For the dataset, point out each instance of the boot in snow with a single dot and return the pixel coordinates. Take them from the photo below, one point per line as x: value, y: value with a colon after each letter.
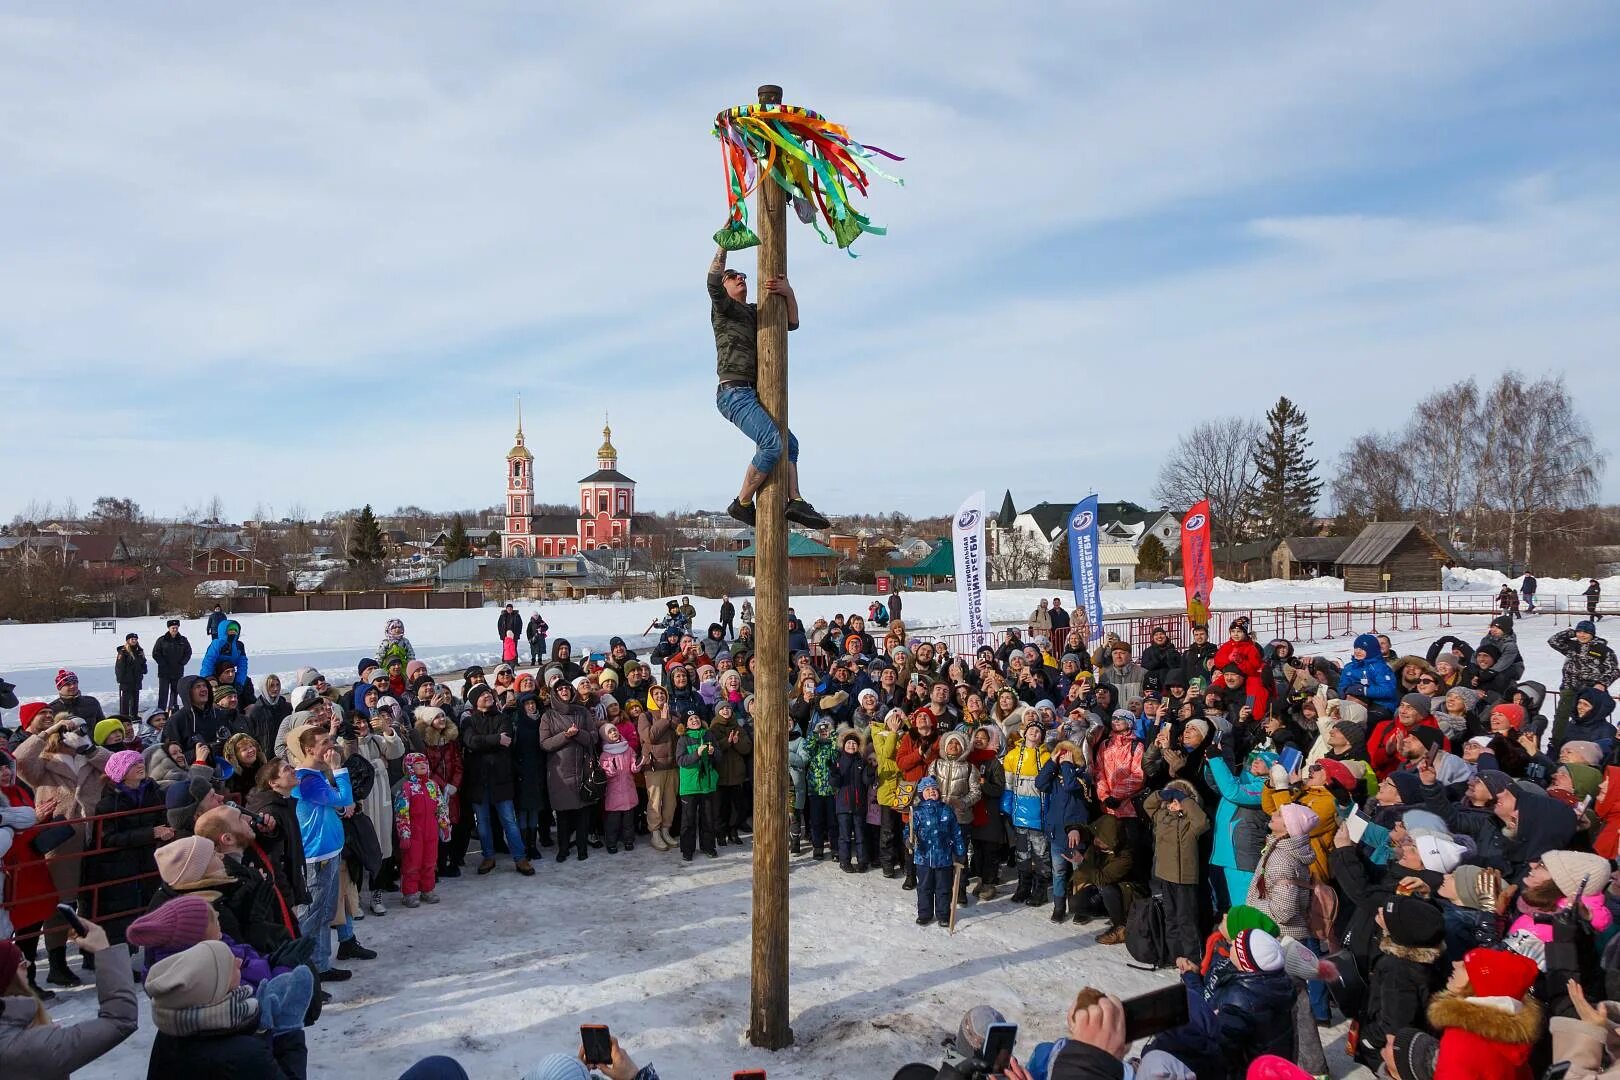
x: 1026, y: 882
x: 1060, y: 909
x: 1037, y: 894
x: 60, y: 974
x: 911, y: 878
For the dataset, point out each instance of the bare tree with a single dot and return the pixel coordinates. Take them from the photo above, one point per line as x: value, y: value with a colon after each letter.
x: 1214, y: 460
x: 1375, y: 481
x: 1019, y: 557
x: 1443, y: 444
x: 1538, y: 456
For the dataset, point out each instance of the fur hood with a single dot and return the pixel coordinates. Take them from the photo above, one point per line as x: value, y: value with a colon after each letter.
x: 427, y: 733
x: 1522, y: 1026
x: 1416, y: 954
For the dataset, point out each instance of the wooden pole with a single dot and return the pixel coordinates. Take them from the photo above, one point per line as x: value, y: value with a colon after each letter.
x: 768, y: 998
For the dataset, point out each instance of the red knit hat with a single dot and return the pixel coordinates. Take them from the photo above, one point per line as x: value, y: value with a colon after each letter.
x: 178, y: 924
x: 28, y: 712
x: 1337, y: 773
x: 1514, y: 714
x: 1500, y: 973
x: 64, y: 676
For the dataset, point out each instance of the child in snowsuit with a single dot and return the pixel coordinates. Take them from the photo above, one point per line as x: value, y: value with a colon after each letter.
x: 694, y: 753
x: 821, y: 784
x: 853, y: 775
x: 619, y: 800
x: 509, y: 648
x: 422, y: 819
x: 937, y: 845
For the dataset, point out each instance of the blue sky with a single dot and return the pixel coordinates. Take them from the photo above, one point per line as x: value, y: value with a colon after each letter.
x: 308, y: 256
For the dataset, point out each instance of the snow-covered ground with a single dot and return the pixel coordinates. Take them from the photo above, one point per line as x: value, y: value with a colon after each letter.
x: 333, y: 641
x: 507, y: 968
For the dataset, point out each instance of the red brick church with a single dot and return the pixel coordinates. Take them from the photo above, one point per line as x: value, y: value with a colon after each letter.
x: 607, y: 508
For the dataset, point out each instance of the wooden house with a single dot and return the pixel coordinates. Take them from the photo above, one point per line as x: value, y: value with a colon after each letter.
x: 1393, y: 556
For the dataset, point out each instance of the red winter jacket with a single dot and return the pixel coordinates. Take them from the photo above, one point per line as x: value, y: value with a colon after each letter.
x: 1383, y: 746
x: 1246, y: 655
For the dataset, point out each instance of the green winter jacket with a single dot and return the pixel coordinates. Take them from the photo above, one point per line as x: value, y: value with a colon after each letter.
x: 698, y: 773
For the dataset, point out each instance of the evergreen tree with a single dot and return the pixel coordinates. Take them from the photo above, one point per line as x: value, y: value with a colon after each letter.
x: 1152, y: 560
x: 457, y: 546
x: 366, y: 542
x: 1286, y: 487
x: 1059, y: 568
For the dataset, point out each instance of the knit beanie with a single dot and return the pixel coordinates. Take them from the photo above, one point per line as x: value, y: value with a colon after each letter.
x: 28, y: 712
x: 1243, y: 917
x: 1499, y: 973
x: 1300, y: 820
x: 1495, y: 780
x: 178, y: 924
x: 200, y: 975
x: 557, y: 1067
x: 1440, y: 854
x: 1589, y: 752
x: 1577, y: 873
x: 118, y: 766
x: 1408, y: 785
x: 1337, y: 773
x: 1256, y: 951
x: 1413, y: 922
x: 1583, y: 779
x: 1476, y: 886
x: 1272, y: 1067
x: 1425, y: 823
x: 183, y: 861
x: 103, y: 729
x: 975, y: 1025
x: 1420, y: 702
x: 1304, y: 965
x: 308, y: 676
x: 302, y: 697
x: 63, y: 677
x: 1514, y: 714
x: 1198, y: 724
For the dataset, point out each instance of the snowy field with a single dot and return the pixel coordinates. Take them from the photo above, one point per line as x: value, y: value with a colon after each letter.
x: 508, y: 968
x: 334, y: 641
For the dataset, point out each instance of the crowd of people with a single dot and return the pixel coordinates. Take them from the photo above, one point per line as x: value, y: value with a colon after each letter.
x: 1386, y: 840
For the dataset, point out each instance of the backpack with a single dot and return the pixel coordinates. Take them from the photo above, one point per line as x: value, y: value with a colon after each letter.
x: 1145, y: 937
x: 592, y: 782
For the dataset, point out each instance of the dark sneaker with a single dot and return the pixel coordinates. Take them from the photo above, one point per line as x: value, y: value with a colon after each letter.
x: 744, y: 514
x: 801, y: 512
x: 336, y: 975
x: 353, y: 950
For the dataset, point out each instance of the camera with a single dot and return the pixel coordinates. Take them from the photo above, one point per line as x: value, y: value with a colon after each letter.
x: 994, y: 1057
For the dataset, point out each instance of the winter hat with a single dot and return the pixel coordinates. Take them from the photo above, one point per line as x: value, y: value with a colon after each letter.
x: 200, y: 975
x: 1583, y: 779
x: 1272, y: 1067
x: 557, y: 1067
x: 308, y: 676
x: 1495, y: 780
x: 866, y: 695
x: 1300, y: 820
x: 1490, y: 649
x: 183, y: 861
x: 1588, y: 751
x: 63, y: 677
x: 473, y: 669
x: 437, y: 1067
x: 1337, y: 773
x: 1125, y: 715
x: 1499, y: 973
x: 1408, y: 785
x: 413, y: 758
x: 28, y: 712
x: 1257, y: 951
x: 103, y: 729
x: 1476, y: 886
x: 1421, y: 702
x: 1440, y: 854
x: 1045, y: 703
x: 1198, y: 724
x: 1525, y: 942
x: 1431, y: 738
x: 925, y: 783
x: 1414, y: 923
x: 302, y: 698
x: 1504, y: 623
x: 1588, y: 626
x: 1243, y: 917
x: 178, y: 924
x: 1425, y: 823
x: 971, y: 1031
x: 365, y: 665
x: 1066, y: 657
x: 118, y: 766
x: 1571, y: 870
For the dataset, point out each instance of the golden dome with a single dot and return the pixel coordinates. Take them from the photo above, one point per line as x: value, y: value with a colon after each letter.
x: 606, y: 449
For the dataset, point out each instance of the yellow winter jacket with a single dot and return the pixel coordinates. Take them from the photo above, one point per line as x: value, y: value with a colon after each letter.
x: 1327, y: 820
x: 884, y: 745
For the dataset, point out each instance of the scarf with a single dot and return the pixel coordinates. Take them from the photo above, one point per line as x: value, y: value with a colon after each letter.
x: 237, y: 1010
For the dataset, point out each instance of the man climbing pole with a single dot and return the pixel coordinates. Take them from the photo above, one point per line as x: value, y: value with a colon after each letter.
x: 735, y: 330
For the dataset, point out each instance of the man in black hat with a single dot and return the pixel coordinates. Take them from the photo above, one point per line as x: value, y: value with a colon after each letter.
x: 509, y: 622
x: 172, y: 652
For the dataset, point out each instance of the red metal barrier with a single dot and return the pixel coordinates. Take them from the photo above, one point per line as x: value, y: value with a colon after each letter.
x: 95, y: 823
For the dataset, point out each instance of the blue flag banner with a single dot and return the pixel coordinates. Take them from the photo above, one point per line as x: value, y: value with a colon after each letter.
x: 1083, y: 565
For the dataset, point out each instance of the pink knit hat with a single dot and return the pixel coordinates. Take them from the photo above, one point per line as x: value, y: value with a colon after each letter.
x: 118, y: 766
x: 1300, y: 820
x: 64, y: 676
x: 178, y: 924
x: 183, y: 861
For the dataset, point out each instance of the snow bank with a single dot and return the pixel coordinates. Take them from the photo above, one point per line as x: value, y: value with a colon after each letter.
x: 1465, y: 580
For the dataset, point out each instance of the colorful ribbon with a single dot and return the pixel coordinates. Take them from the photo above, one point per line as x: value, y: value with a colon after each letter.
x: 812, y: 160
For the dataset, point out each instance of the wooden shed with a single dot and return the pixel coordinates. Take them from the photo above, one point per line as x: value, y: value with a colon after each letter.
x: 809, y: 562
x: 1307, y: 556
x: 1402, y: 550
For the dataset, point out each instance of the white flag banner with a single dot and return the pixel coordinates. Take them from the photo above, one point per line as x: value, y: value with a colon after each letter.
x: 967, y: 538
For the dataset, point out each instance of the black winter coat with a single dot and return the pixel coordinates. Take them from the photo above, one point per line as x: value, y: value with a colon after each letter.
x: 1398, y: 992
x: 129, y: 667
x: 284, y: 845
x: 84, y: 706
x: 189, y: 725
x: 131, y: 839
x: 263, y: 719
x: 489, y: 772
x: 241, y: 1055
x: 528, y: 759
x: 1195, y: 661
x: 509, y: 621
x: 1160, y: 662
x: 171, y: 654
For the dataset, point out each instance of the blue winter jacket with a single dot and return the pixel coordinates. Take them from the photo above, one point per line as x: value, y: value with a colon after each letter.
x: 226, y: 647
x: 1064, y: 803
x: 1372, y: 675
x: 318, y: 803
x: 936, y: 837
x: 1235, y: 791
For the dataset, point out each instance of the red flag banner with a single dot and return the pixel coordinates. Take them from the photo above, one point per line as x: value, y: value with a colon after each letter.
x: 1197, y: 562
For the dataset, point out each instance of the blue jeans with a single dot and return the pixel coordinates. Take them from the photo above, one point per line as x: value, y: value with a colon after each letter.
x: 486, y: 833
x: 1060, y: 871
x: 740, y: 405
x: 323, y: 879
